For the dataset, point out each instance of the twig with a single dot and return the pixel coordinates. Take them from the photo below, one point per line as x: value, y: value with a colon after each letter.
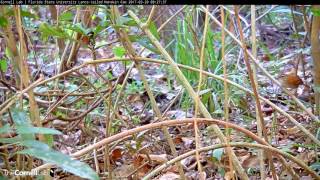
x: 190, y: 90
x: 278, y: 152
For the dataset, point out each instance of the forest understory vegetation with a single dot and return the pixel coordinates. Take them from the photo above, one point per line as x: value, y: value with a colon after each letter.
x: 160, y: 92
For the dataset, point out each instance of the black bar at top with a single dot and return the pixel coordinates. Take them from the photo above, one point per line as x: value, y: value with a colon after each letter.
x: 151, y: 2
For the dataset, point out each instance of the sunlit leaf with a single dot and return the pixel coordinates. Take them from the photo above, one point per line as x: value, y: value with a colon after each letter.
x: 28, y: 14
x: 66, y: 16
x: 154, y: 30
x: 118, y: 51
x: 3, y: 65
x: 3, y: 21
x: 315, y: 11
x: 49, y: 139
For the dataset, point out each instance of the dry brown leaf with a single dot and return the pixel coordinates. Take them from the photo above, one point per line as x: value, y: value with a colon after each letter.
x: 123, y: 171
x: 252, y: 161
x: 139, y: 161
x: 116, y: 154
x: 177, y: 139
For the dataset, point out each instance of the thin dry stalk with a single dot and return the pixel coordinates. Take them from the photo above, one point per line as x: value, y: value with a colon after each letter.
x: 270, y: 149
x: 311, y: 136
x: 124, y: 38
x: 190, y: 90
x: 226, y: 91
x: 254, y: 53
x: 196, y: 129
x: 260, y: 118
x: 264, y: 71
x: 176, y: 122
x: 315, y: 51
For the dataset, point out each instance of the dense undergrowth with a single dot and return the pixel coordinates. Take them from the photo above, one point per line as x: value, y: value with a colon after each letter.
x: 164, y: 92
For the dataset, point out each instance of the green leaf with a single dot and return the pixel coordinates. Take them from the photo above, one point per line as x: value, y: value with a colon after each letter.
x: 5, y: 129
x: 154, y: 30
x: 10, y: 140
x: 315, y: 11
x: 21, y: 119
x: 78, y: 28
x: 65, y: 162
x: 315, y: 166
x: 7, y: 52
x: 3, y: 65
x: 24, y: 13
x: 48, y: 30
x: 101, y: 26
x: 118, y: 51
x: 3, y: 21
x: 28, y: 14
x: 35, y: 144
x: 36, y: 130
x: 66, y: 16
x: 217, y: 154
x: 49, y: 139
x: 145, y: 42
x: 123, y: 20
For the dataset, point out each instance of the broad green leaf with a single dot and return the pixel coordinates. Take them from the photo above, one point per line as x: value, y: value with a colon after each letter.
x: 65, y: 162
x: 78, y: 28
x: 145, y: 42
x: 10, y: 140
x: 118, y: 51
x: 36, y: 130
x: 48, y: 30
x: 66, y: 16
x: 3, y: 65
x: 24, y: 13
x: 122, y: 20
x: 154, y: 30
x: 7, y: 52
x: 217, y: 154
x: 35, y: 144
x: 3, y: 21
x: 315, y: 166
x: 21, y: 119
x: 315, y: 11
x: 102, y: 25
x: 28, y: 14
x: 5, y: 129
